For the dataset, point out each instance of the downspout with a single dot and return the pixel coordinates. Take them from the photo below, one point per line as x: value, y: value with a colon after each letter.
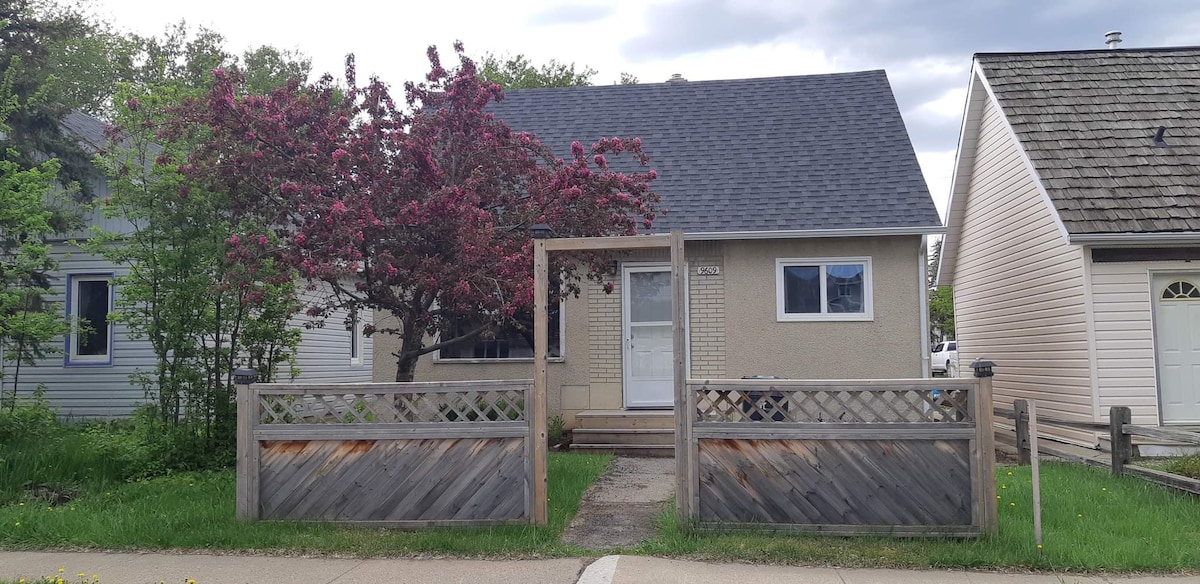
x: 923, y: 284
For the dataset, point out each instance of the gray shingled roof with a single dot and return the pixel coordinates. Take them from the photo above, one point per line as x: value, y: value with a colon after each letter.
x: 1087, y: 120
x: 782, y: 153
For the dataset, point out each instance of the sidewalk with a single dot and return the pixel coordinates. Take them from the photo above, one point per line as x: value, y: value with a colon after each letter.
x: 135, y: 568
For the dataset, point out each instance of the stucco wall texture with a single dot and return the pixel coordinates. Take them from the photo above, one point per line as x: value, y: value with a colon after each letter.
x: 733, y: 326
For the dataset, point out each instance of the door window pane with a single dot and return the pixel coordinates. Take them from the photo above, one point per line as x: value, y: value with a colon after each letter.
x: 650, y: 296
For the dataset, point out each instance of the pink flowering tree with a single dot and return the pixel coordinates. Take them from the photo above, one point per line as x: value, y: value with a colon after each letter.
x: 418, y: 211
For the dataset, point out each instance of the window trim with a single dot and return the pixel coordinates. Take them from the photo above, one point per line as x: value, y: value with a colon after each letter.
x: 868, y: 313
x: 562, y: 346
x: 70, y: 358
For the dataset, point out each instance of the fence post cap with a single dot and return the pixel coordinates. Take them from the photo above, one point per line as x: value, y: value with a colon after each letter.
x: 244, y: 376
x: 983, y: 368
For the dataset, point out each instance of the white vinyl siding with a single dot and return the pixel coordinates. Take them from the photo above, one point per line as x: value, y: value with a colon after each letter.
x: 101, y: 392
x: 1124, y: 319
x: 1019, y: 286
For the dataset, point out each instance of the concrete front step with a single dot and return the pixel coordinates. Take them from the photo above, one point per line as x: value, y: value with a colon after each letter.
x: 626, y: 419
x: 627, y: 449
x: 662, y: 436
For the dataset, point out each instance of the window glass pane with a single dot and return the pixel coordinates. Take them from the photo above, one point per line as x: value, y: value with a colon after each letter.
x: 650, y: 296
x: 354, y: 354
x: 938, y: 347
x: 844, y: 288
x: 92, y: 312
x: 510, y: 342
x: 802, y: 289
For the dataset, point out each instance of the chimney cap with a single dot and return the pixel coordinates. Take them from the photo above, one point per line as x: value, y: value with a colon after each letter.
x: 676, y: 78
x: 1112, y: 38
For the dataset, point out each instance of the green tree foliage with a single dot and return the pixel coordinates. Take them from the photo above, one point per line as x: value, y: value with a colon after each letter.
x: 518, y: 72
x: 206, y: 310
x: 206, y: 307
x: 941, y: 311
x: 57, y: 58
x: 941, y: 299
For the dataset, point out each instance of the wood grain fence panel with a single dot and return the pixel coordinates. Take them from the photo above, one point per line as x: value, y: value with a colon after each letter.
x: 406, y: 455
x: 835, y: 482
x: 394, y: 480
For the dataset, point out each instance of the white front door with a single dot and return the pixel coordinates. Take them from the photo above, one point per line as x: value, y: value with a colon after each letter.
x: 1177, y: 312
x: 647, y: 354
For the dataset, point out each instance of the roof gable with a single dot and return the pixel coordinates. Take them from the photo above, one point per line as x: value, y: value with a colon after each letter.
x: 815, y: 152
x: 1087, y: 121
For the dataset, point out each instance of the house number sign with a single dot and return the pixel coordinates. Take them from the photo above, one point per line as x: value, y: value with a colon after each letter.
x: 708, y: 270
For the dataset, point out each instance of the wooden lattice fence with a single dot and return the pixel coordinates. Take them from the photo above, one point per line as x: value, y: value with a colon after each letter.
x: 906, y: 457
x: 397, y: 454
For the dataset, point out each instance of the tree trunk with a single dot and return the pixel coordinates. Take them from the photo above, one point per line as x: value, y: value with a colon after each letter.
x: 406, y: 367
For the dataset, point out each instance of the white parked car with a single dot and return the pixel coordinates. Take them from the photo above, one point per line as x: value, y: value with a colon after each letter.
x: 944, y: 359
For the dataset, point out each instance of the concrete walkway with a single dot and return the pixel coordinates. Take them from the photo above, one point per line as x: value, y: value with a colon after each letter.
x: 622, y: 507
x: 212, y: 569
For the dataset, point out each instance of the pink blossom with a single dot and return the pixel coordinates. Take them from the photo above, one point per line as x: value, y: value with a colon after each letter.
x: 339, y: 154
x: 132, y: 104
x: 338, y: 208
x: 262, y: 240
x: 577, y: 149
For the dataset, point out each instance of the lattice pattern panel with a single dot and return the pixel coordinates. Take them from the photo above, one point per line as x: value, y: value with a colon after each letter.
x: 767, y: 404
x: 458, y: 406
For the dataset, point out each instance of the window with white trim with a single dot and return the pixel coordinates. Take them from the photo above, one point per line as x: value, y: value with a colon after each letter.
x: 89, y: 300
x: 815, y: 289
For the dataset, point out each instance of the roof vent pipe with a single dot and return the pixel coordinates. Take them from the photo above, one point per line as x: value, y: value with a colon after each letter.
x: 1112, y: 38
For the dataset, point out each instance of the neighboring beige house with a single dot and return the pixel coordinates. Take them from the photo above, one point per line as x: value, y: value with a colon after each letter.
x: 805, y: 215
x: 1073, y: 228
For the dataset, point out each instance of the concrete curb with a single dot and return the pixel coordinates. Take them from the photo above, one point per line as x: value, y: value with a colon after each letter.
x: 600, y: 571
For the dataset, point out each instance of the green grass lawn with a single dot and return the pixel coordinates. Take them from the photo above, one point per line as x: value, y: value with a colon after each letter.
x: 1091, y: 522
x: 196, y: 511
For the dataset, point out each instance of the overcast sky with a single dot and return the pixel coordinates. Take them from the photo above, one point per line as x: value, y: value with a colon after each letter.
x: 925, y: 45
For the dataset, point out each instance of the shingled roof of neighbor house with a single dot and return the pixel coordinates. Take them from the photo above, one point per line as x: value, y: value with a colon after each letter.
x: 1088, y: 121
x: 812, y: 152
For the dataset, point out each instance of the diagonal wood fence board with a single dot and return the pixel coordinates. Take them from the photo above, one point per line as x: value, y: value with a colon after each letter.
x: 835, y: 482
x: 405, y: 455
x: 847, y: 457
x: 393, y: 480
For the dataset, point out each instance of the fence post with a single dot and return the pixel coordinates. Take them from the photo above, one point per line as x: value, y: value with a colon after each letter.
x: 985, y: 434
x: 1021, y: 414
x: 1122, y: 443
x: 247, y: 447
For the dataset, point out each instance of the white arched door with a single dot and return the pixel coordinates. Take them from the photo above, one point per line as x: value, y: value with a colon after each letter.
x: 1177, y: 324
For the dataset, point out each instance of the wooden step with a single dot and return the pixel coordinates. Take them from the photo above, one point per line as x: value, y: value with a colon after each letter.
x: 659, y: 436
x: 626, y: 419
x: 627, y: 449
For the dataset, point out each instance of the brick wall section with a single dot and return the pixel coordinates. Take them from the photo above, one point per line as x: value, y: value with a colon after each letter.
x: 707, y: 310
x: 604, y: 332
x: 707, y: 304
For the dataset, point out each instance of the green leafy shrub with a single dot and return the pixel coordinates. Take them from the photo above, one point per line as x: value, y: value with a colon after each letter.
x: 27, y: 419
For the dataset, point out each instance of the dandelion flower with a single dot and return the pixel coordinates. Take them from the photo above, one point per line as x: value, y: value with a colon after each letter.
x: 61, y: 570
x: 1003, y: 486
x: 1012, y: 504
x: 20, y: 504
x: 81, y: 574
x: 21, y: 581
x: 1010, y: 473
x: 997, y: 497
x: 17, y: 524
x: 1039, y: 546
x: 1103, y: 488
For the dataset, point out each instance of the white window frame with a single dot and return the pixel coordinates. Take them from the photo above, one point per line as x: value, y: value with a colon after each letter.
x: 868, y: 313
x: 72, y: 357
x: 562, y: 346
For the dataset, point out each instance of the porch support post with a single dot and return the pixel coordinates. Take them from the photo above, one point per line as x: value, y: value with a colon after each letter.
x: 538, y: 406
x: 683, y: 458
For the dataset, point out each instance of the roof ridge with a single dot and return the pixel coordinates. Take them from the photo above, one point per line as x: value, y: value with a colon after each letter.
x: 1179, y: 49
x: 693, y: 83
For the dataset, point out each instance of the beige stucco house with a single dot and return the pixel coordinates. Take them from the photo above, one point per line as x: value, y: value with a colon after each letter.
x: 1073, y: 231
x: 804, y: 214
